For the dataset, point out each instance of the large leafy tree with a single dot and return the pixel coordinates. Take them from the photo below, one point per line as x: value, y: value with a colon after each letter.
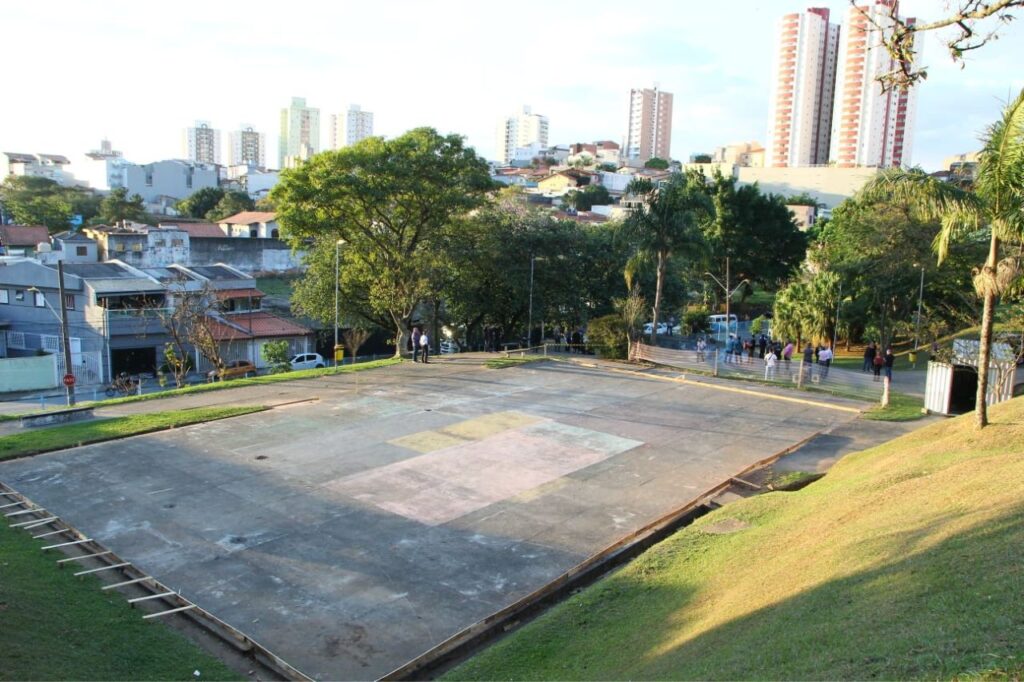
x: 118, y: 206
x: 392, y: 202
x: 231, y: 203
x: 996, y: 205
x: 200, y: 202
x: 667, y: 225
x: 40, y: 201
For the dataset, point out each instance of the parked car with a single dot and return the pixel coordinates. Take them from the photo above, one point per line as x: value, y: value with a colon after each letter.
x: 307, y: 361
x: 233, y: 370
x: 449, y: 346
x: 662, y: 328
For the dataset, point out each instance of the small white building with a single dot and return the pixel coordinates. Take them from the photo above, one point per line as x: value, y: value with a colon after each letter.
x: 252, y: 225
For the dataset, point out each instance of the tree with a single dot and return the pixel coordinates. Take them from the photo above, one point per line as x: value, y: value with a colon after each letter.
x: 976, y: 22
x: 41, y: 201
x: 996, y: 204
x: 118, y: 206
x: 188, y: 323
x: 702, y: 158
x: 607, y: 167
x: 667, y: 224
x: 802, y: 199
x: 656, y: 163
x: 200, y: 202
x: 354, y: 338
x: 392, y: 202
x: 278, y: 355
x: 585, y: 199
x: 231, y: 203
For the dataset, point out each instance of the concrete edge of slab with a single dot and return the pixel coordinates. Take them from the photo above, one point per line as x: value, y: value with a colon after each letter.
x: 158, y: 593
x: 463, y: 644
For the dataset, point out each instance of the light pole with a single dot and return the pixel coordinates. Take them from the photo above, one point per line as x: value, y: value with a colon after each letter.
x: 63, y: 319
x: 728, y: 292
x: 529, y: 318
x: 917, y: 325
x: 835, y: 332
x: 337, y: 277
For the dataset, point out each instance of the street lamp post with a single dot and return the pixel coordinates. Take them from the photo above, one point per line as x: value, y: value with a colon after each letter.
x: 728, y: 292
x: 917, y: 324
x: 529, y: 323
x: 63, y: 319
x: 337, y: 277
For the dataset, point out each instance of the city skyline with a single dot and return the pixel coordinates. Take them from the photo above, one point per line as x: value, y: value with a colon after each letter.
x: 459, y: 80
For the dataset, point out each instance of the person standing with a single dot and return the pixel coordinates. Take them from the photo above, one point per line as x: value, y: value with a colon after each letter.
x: 869, y: 357
x: 825, y: 360
x: 889, y: 360
x: 876, y: 365
x: 787, y: 353
x: 762, y: 344
x: 770, y: 360
x: 425, y: 346
x: 415, y: 344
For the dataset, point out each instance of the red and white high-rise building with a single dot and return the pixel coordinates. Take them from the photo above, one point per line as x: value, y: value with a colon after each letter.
x: 804, y: 75
x: 870, y: 127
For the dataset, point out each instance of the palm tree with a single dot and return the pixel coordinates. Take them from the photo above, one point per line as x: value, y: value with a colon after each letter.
x: 996, y: 204
x: 666, y: 224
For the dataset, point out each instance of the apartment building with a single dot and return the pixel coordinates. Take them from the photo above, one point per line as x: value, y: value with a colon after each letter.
x: 247, y: 147
x: 803, y: 86
x: 522, y: 130
x: 650, y: 124
x: 351, y: 127
x: 300, y: 133
x: 870, y: 127
x: 201, y: 143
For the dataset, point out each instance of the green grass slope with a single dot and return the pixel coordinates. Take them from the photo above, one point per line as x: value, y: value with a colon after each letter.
x: 905, y: 561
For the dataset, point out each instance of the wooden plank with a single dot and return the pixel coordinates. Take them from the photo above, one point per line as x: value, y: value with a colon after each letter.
x: 26, y: 511
x: 84, y: 556
x: 152, y: 596
x: 34, y: 522
x: 66, y: 544
x: 12, y: 504
x: 165, y: 613
x: 10, y: 494
x: 103, y: 568
x: 52, y: 532
x: 126, y: 582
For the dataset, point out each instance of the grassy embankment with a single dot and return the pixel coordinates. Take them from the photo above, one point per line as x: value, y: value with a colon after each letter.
x: 903, y: 562
x: 83, y: 433
x: 502, y: 363
x: 56, y: 627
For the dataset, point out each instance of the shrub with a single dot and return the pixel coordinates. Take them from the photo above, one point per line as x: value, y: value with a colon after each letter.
x: 696, y: 321
x: 608, y: 336
x: 277, y: 354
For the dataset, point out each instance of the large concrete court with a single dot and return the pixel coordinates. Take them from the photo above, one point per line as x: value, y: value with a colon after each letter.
x: 351, y: 534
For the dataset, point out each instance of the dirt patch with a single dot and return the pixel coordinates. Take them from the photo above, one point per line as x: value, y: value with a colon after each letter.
x: 725, y: 526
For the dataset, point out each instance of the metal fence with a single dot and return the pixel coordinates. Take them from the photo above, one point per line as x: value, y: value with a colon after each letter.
x: 796, y: 373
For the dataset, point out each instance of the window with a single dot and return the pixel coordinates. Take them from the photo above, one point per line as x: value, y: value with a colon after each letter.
x: 160, y: 243
x: 177, y: 242
x: 4, y: 296
x: 137, y: 247
x: 119, y: 246
x: 19, y: 294
x: 40, y: 300
x: 69, y: 301
x: 81, y: 251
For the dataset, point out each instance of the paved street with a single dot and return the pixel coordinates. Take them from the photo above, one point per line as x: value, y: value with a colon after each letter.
x: 351, y: 534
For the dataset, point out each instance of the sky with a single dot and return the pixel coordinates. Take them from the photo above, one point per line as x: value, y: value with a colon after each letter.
x: 138, y: 73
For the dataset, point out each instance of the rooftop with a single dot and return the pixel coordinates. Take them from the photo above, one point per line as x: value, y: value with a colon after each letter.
x: 249, y: 217
x: 255, y: 325
x: 23, y: 235
x: 198, y: 230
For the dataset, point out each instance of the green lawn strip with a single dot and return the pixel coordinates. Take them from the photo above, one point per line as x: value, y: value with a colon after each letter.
x: 789, y: 480
x: 9, y: 417
x: 59, y: 437
x: 56, y: 627
x: 502, y: 363
x: 239, y: 383
x: 902, y: 563
x: 276, y: 286
x: 901, y: 408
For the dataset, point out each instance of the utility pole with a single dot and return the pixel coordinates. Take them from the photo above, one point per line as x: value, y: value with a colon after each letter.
x: 835, y: 332
x: 728, y: 301
x: 917, y: 327
x: 68, y: 367
x: 529, y: 323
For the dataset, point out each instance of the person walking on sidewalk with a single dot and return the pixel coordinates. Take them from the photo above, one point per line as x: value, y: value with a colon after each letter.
x: 770, y: 360
x: 415, y: 344
x: 889, y: 360
x: 869, y: 357
x: 425, y: 347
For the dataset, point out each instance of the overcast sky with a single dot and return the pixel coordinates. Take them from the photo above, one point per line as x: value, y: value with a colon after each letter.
x: 139, y: 72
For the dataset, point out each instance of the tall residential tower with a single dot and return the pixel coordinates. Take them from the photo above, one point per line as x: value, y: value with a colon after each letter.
x: 650, y: 124
x: 803, y: 87
x: 870, y: 127
x: 247, y: 147
x: 201, y: 143
x: 300, y: 133
x: 521, y: 130
x: 350, y: 127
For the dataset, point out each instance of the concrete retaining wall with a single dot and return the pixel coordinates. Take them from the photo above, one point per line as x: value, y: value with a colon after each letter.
x: 28, y: 374
x: 248, y: 255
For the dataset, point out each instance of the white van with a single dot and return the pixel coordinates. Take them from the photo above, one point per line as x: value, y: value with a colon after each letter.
x: 717, y: 323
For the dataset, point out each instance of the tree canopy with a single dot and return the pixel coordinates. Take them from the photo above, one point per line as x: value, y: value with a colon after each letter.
x: 118, y: 206
x: 656, y: 163
x: 41, y: 201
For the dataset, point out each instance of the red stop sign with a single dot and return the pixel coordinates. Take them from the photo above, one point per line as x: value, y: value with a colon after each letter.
x: 69, y: 380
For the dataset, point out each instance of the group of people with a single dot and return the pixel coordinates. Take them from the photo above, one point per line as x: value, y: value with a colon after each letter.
x: 420, y: 345
x: 875, y: 361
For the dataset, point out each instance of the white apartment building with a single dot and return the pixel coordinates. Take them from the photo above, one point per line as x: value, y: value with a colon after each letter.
x: 201, y: 143
x: 300, y: 133
x: 650, y: 124
x: 351, y: 127
x: 803, y: 87
x: 49, y: 166
x: 870, y: 127
x: 522, y: 130
x: 247, y: 147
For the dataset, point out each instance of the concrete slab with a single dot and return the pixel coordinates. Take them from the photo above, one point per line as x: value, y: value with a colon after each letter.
x: 351, y: 534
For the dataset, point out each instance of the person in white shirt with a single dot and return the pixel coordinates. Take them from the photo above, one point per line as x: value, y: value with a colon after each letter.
x: 425, y: 346
x: 825, y: 360
x: 770, y: 361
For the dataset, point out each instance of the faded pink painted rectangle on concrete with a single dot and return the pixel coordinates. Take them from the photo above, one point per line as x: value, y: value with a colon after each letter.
x: 441, y: 486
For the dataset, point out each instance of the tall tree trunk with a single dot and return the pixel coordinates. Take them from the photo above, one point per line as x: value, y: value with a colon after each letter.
x: 657, y: 297
x: 985, y: 342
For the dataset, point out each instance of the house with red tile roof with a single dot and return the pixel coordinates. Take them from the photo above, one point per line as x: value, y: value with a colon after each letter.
x: 22, y: 240
x: 252, y: 224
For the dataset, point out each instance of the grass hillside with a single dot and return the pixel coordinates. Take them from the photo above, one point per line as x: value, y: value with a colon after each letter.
x: 905, y: 561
